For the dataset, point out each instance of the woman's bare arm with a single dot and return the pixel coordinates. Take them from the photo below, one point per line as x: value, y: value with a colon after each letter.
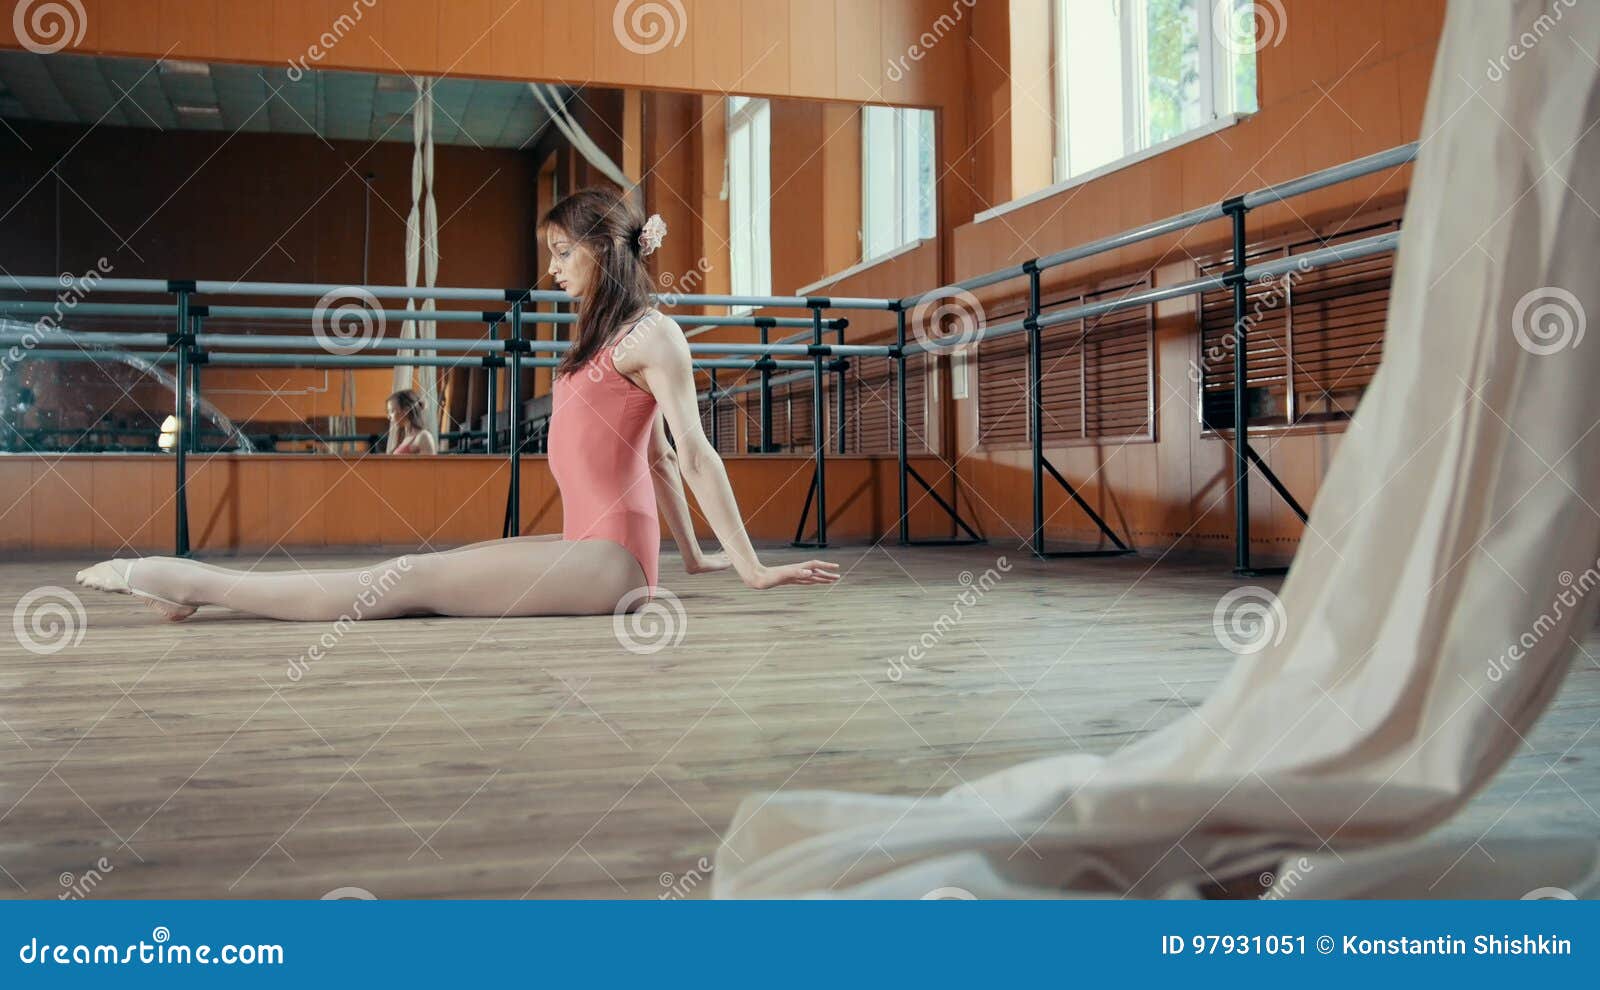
x: 672, y: 505
x: 660, y: 356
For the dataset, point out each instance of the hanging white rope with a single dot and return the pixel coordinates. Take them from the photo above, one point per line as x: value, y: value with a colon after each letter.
x: 422, y: 233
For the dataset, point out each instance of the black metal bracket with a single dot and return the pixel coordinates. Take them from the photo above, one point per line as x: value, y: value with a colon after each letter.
x: 819, y: 472
x: 897, y: 353
x: 1243, y: 454
x: 1041, y: 464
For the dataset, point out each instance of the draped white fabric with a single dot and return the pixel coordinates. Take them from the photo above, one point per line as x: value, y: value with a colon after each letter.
x: 422, y: 245
x: 550, y: 99
x: 1448, y: 570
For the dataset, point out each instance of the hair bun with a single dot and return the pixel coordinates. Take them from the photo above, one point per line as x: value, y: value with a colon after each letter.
x: 651, y: 233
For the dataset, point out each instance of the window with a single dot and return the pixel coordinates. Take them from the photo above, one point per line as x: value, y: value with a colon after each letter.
x: 1133, y: 74
x: 750, y: 195
x: 1097, y: 381
x: 1314, y: 339
x: 897, y: 178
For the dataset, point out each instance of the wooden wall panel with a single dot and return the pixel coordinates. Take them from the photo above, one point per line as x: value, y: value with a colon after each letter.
x: 813, y: 64
x: 1335, y: 87
x: 860, y: 69
x: 122, y: 505
x: 719, y: 65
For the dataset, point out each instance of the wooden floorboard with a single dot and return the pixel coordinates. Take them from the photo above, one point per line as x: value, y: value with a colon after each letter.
x: 537, y: 757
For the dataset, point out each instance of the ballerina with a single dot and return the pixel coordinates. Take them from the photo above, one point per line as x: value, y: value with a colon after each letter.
x: 627, y: 378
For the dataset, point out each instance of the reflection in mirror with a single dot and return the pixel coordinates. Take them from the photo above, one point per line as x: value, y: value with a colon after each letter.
x: 338, y: 181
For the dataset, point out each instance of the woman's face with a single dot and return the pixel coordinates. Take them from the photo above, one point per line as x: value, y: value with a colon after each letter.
x: 571, y: 264
x: 394, y: 414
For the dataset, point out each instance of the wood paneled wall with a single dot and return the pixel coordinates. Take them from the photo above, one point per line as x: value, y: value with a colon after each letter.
x: 1344, y: 80
x: 821, y: 49
x: 124, y: 504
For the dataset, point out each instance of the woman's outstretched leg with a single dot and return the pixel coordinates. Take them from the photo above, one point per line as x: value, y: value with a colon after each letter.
x: 500, y: 578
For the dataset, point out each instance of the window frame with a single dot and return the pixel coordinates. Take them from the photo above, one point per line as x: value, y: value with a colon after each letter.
x: 749, y: 122
x: 905, y: 212
x: 1217, y: 92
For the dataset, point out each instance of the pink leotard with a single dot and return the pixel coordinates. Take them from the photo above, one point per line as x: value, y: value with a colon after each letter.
x: 599, y: 449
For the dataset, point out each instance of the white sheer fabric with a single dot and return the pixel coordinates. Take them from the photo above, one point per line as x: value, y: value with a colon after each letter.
x: 1447, y: 573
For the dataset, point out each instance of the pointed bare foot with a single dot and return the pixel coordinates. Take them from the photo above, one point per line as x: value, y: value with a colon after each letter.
x: 112, y: 576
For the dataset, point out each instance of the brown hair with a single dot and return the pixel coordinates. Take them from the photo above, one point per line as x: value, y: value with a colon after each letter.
x: 410, y: 405
x: 608, y: 225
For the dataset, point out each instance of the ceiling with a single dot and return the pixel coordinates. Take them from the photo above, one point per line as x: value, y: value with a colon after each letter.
x: 177, y: 95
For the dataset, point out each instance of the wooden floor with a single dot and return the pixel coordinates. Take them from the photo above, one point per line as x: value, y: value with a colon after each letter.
x: 537, y: 757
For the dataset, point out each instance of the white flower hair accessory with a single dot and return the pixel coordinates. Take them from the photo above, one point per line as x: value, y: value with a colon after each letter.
x: 651, y: 234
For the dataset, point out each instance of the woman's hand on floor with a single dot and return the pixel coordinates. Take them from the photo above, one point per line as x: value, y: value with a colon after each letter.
x: 707, y: 563
x: 806, y: 572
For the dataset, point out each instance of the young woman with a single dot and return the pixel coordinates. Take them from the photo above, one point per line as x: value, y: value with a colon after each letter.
x: 627, y: 377
x: 405, y: 424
